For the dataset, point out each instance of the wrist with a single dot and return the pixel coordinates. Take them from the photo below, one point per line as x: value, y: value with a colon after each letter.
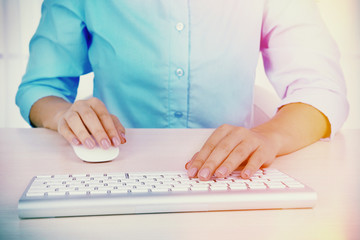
x: 274, y: 136
x: 295, y: 126
x: 53, y: 121
x: 47, y: 111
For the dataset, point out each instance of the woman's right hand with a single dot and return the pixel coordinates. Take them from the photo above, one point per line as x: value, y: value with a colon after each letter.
x: 83, y: 122
x: 87, y: 121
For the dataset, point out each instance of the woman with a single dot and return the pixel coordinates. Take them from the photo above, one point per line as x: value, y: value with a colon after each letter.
x: 186, y: 64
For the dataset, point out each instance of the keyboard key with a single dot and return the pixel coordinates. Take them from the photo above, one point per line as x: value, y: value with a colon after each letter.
x: 199, y: 188
x: 78, y: 193
x: 160, y: 190
x: 99, y: 192
x: 56, y: 193
x: 35, y: 194
x: 139, y: 190
x: 238, y: 187
x: 180, y: 189
x: 219, y: 187
x: 257, y: 186
x: 275, y: 185
x: 119, y: 191
x: 294, y: 185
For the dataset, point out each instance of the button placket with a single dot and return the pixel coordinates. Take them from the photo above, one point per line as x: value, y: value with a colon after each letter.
x: 179, y: 60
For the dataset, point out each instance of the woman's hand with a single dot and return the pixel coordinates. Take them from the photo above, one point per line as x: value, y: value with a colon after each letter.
x: 89, y: 118
x: 84, y: 121
x: 294, y: 126
x: 230, y: 146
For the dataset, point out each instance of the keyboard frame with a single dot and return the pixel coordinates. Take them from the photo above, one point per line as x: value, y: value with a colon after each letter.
x: 168, y: 202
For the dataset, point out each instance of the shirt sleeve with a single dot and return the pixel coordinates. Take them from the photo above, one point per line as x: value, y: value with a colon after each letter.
x: 301, y: 59
x: 58, y: 56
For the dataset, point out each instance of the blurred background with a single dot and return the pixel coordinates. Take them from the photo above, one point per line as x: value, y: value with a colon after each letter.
x: 19, y: 19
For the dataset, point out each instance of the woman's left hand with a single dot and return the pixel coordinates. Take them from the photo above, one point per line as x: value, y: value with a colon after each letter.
x: 293, y: 127
x: 230, y: 146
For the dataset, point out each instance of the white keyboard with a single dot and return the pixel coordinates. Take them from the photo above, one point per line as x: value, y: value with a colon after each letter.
x: 152, y: 192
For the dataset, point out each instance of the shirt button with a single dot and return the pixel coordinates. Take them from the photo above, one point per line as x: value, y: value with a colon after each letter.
x: 179, y: 26
x: 178, y: 114
x: 179, y: 72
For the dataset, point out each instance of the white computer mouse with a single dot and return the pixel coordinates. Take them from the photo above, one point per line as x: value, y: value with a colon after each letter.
x: 97, y: 154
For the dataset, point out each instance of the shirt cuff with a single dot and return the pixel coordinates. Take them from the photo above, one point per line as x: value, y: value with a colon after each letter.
x: 27, y: 98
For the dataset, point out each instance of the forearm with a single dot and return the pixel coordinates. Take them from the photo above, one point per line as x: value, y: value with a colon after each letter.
x: 45, y: 112
x: 295, y: 126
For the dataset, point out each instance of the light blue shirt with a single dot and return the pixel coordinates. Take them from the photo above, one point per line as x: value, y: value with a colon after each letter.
x: 180, y: 64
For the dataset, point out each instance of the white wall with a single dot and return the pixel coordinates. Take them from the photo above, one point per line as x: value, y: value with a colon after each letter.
x: 19, y: 18
x: 18, y: 21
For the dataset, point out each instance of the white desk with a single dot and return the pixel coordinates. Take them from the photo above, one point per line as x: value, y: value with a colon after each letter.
x: 331, y: 168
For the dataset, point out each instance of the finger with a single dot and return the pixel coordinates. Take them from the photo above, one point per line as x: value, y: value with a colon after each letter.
x: 119, y: 128
x: 221, y: 152
x: 239, y: 154
x: 92, y: 122
x: 76, y: 125
x: 207, y: 149
x: 66, y: 132
x: 192, y: 159
x: 106, y: 121
x: 256, y: 160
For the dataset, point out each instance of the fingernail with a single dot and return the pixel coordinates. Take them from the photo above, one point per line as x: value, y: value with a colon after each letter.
x: 75, y: 141
x: 123, y: 138
x: 247, y: 173
x: 221, y: 171
x: 89, y: 144
x: 192, y: 172
x: 116, y: 141
x: 105, y: 143
x: 192, y: 159
x: 204, y: 173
